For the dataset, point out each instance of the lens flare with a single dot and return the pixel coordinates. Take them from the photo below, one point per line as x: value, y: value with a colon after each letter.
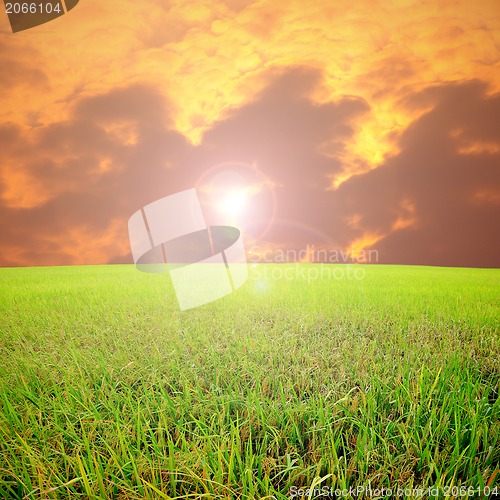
x: 238, y: 194
x: 233, y: 203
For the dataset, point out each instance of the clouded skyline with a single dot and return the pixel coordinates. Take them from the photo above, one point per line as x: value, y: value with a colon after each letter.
x: 366, y: 125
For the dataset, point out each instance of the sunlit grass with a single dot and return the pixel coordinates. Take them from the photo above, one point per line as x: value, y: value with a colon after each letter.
x: 300, y: 378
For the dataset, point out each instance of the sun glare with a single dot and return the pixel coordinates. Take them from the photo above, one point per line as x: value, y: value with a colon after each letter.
x: 233, y: 203
x: 240, y: 195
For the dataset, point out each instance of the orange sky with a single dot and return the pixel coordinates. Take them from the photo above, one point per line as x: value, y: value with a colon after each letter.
x: 379, y: 119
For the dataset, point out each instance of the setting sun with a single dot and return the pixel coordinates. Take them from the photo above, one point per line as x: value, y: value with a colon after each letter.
x: 234, y: 203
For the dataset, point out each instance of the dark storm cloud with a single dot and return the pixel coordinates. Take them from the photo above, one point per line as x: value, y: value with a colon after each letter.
x: 66, y: 162
x: 283, y: 131
x: 456, y: 215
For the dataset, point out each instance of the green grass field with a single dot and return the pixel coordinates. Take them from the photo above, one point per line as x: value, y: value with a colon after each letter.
x: 109, y: 391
